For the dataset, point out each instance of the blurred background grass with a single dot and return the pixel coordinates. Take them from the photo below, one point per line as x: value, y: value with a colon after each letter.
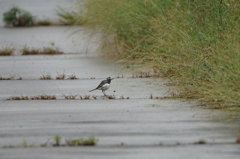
x: 194, y: 43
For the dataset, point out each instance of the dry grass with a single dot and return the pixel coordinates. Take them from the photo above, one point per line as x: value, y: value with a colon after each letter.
x: 122, y: 97
x: 43, y: 97
x: 200, y: 142
x: 51, y: 50
x: 61, y: 76
x: 85, y: 97
x: 46, y: 77
x: 111, y: 96
x: 39, y: 97
x: 6, y: 51
x: 72, y: 77
x: 11, y: 78
x: 94, y: 97
x: 18, y: 98
x: 70, y: 97
x: 82, y: 142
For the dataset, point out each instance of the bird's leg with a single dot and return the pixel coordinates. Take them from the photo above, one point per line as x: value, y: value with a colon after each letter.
x: 104, y: 93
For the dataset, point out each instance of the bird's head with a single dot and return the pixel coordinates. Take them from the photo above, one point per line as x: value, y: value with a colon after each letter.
x: 109, y: 79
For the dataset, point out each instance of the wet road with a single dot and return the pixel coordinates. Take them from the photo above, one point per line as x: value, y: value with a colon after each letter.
x: 137, y: 127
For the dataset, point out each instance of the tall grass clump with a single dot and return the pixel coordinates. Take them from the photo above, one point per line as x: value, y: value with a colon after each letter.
x: 18, y: 17
x: 194, y: 43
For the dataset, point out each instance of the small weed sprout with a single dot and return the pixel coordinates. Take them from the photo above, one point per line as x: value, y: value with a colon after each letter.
x: 151, y: 96
x: 238, y: 139
x: 72, y: 77
x: 201, y: 141
x: 122, y: 97
x: 111, y: 96
x: 24, y: 143
x: 46, y: 77
x: 43, y: 97
x: 82, y: 142
x: 94, y: 97
x: 10, y: 78
x: 86, y: 97
x: 61, y: 76
x: 18, y: 98
x: 57, y: 140
x: 69, y: 97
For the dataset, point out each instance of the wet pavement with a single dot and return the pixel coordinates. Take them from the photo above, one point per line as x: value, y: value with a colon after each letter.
x: 138, y: 127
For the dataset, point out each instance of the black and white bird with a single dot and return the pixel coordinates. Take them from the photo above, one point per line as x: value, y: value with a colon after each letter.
x: 104, y: 85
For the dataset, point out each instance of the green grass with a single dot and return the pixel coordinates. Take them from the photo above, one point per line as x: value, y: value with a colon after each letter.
x: 17, y: 17
x: 67, y: 17
x: 196, y: 44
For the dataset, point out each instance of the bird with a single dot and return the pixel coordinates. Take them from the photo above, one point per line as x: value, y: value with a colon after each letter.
x: 104, y: 85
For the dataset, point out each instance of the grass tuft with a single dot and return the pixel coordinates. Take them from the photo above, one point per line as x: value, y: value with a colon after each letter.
x: 238, y: 139
x: 72, y: 77
x: 43, y: 97
x: 151, y: 96
x: 6, y: 51
x: 82, y: 142
x: 18, y: 98
x: 71, y: 97
x: 196, y: 44
x: 94, y: 97
x: 10, y: 78
x: 111, y: 96
x: 46, y: 77
x: 61, y: 76
x: 57, y: 140
x: 201, y: 141
x: 47, y: 50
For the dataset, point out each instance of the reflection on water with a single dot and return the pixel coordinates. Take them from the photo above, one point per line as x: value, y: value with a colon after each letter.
x: 38, y: 37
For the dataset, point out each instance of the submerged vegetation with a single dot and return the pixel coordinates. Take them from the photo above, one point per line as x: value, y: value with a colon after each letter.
x: 194, y: 43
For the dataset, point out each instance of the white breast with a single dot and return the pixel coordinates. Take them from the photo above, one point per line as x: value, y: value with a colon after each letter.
x: 105, y: 87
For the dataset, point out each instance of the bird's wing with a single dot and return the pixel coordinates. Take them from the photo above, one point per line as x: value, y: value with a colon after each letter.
x: 101, y: 84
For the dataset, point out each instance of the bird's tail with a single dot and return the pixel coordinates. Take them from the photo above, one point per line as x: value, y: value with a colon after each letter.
x: 93, y: 90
